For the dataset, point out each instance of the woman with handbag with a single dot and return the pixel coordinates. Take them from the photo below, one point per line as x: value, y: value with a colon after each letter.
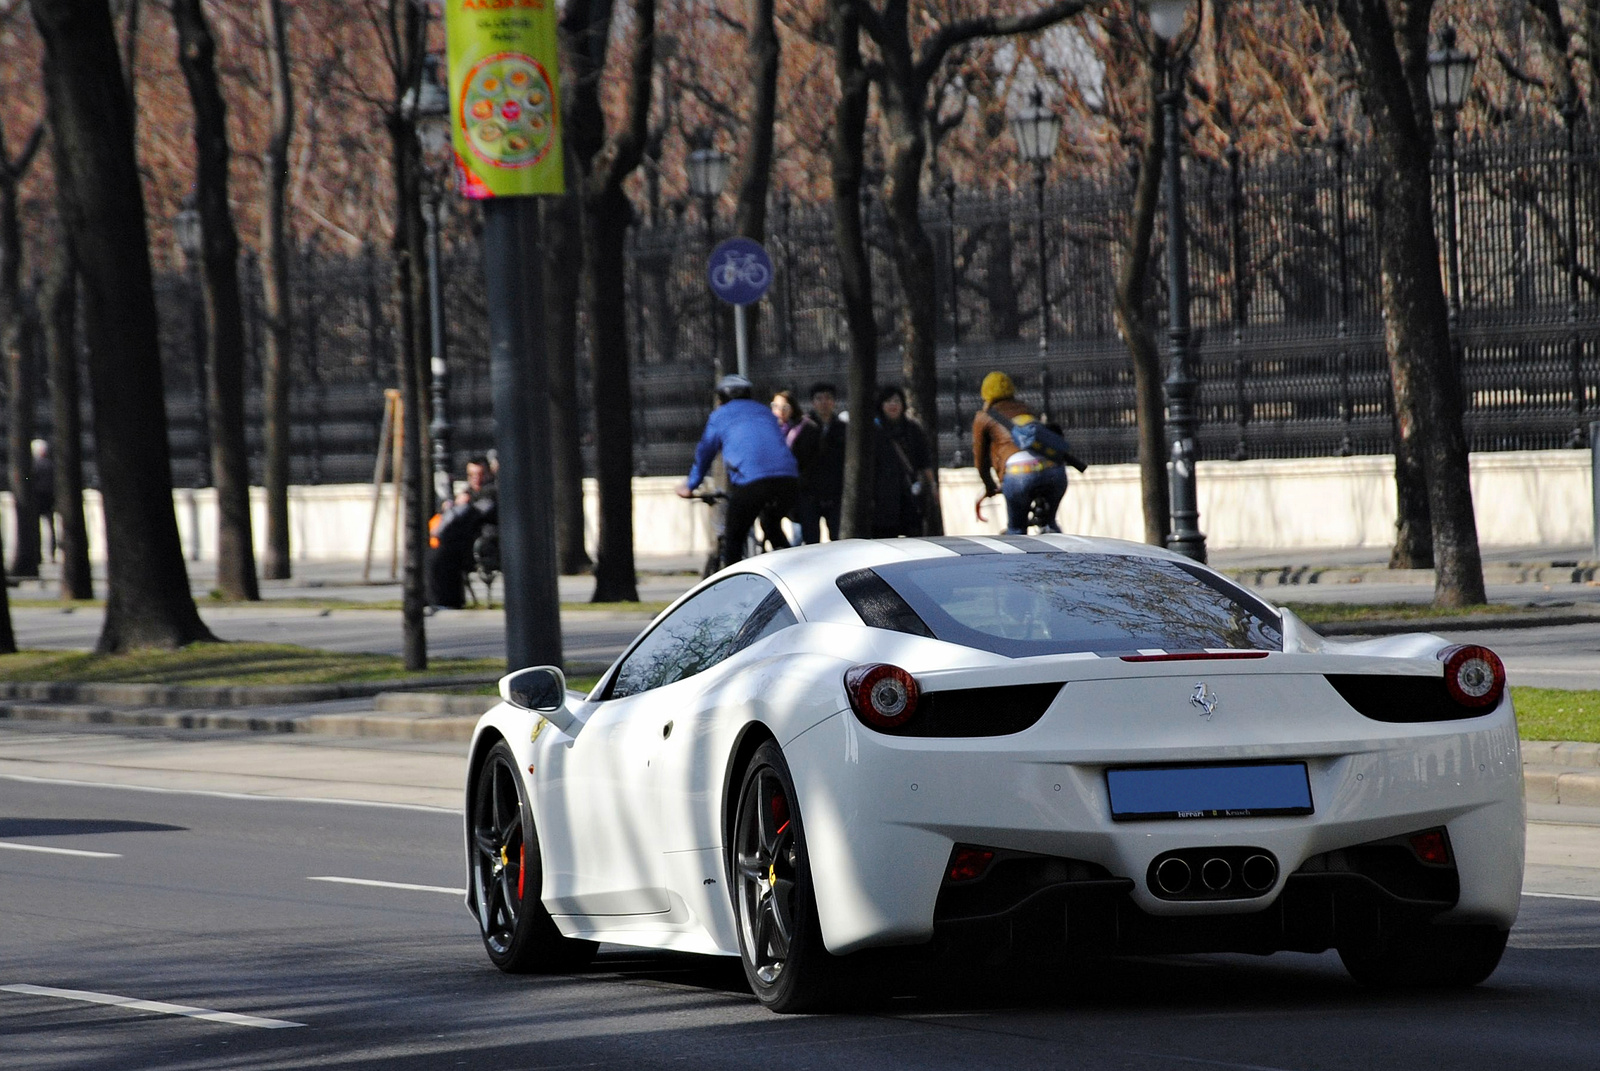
x: 903, y: 478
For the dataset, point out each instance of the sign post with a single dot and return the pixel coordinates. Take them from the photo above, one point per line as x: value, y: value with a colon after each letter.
x: 740, y: 271
x: 505, y: 129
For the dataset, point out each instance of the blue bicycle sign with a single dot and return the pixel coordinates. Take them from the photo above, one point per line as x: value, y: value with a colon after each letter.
x: 739, y: 271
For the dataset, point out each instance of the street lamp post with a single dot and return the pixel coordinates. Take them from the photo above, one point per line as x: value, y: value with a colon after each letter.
x: 1037, y: 129
x: 1167, y: 18
x: 708, y: 169
x: 957, y: 459
x: 429, y: 108
x: 187, y: 228
x: 1449, y: 72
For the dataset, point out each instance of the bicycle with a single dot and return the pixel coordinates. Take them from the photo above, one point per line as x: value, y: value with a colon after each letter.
x: 718, y: 558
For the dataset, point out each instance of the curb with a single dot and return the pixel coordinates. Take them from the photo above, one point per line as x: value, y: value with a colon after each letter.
x: 211, y: 696
x: 1564, y: 572
x: 433, y: 703
x: 1393, y: 626
x: 394, y: 726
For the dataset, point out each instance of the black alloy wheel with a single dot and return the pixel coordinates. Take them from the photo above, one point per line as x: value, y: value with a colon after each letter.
x: 506, y: 875
x: 780, y: 939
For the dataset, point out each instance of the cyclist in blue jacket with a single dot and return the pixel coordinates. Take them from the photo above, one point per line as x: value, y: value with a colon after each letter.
x: 761, y: 470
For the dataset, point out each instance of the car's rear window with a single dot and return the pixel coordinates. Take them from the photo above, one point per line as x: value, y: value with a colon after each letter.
x: 1109, y: 604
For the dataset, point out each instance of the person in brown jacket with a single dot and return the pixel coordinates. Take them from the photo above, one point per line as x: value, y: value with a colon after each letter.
x: 1019, y: 475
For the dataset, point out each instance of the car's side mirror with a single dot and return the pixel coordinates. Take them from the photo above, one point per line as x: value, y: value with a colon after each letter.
x: 541, y: 689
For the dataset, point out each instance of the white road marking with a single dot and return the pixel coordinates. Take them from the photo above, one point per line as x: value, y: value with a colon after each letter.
x: 162, y: 1007
x: 1563, y: 896
x: 58, y: 851
x: 228, y: 795
x: 391, y: 885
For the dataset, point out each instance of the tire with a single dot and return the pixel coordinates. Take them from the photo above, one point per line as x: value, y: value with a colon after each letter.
x: 1427, y: 957
x: 780, y: 939
x: 506, y: 875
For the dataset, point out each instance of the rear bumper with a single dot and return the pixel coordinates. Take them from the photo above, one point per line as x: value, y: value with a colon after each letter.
x: 882, y: 815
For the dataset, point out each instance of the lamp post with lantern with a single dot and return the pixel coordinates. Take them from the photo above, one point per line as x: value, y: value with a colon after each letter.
x: 187, y: 230
x: 1037, y: 130
x: 1449, y: 74
x: 708, y: 169
x: 1167, y: 20
x: 428, y: 106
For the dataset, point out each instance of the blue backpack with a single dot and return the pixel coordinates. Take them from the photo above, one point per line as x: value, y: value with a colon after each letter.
x: 1033, y: 435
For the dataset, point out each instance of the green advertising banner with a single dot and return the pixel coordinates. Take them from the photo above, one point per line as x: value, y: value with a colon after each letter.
x: 504, y: 114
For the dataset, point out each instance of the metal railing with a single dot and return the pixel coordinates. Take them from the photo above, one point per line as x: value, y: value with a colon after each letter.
x: 1284, y: 262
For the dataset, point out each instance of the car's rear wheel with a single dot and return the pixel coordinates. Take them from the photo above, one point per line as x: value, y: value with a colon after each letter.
x: 1429, y: 956
x: 780, y: 939
x: 518, y: 932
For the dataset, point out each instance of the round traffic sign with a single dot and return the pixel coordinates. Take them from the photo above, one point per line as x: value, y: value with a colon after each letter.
x: 739, y: 271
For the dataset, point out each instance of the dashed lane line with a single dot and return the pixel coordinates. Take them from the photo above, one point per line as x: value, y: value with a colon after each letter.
x: 390, y: 885
x: 58, y: 851
x: 160, y: 1007
x: 1563, y: 896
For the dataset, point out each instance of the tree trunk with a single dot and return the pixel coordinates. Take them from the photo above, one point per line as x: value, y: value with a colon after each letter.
x: 16, y: 343
x: 21, y: 381
x: 97, y: 182
x: 1390, y: 40
x: 604, y: 230
x: 914, y: 262
x: 855, y: 273
x: 278, y: 351
x: 755, y: 175
x: 604, y: 164
x: 1132, y: 312
x: 416, y: 491
x: 563, y: 247
x: 219, y: 275
x: 60, y: 308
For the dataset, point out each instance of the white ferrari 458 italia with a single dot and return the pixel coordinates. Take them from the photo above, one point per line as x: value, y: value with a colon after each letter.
x: 1064, y: 745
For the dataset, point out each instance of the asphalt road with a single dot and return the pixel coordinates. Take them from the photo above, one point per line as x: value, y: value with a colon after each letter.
x: 207, y: 902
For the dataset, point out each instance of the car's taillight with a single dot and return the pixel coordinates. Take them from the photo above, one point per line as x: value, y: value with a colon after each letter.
x: 883, y: 696
x: 1474, y: 676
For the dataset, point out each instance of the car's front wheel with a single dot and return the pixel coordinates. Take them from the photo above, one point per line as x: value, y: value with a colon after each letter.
x: 518, y: 932
x: 780, y: 939
x: 1428, y: 956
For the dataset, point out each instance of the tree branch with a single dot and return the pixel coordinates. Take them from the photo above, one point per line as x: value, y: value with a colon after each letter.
x: 955, y: 33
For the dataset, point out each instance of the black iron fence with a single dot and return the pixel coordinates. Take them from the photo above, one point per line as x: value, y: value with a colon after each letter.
x: 1284, y: 262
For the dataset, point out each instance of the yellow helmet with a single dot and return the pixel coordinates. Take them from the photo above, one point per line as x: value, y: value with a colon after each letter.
x: 996, y: 386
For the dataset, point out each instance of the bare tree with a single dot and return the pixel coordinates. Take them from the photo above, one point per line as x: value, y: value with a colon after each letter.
x: 16, y: 342
x: 855, y: 273
x: 60, y: 313
x: 224, y: 316
x: 604, y: 164
x: 275, y: 294
x: 1390, y: 40
x: 1134, y: 315
x: 97, y: 181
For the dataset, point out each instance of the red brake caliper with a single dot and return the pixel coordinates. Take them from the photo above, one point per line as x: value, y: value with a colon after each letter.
x: 522, y: 859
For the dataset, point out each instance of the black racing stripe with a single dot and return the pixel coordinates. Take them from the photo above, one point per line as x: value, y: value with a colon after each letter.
x: 1029, y: 544
x: 960, y: 544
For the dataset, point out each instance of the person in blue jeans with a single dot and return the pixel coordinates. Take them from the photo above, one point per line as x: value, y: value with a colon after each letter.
x: 1023, y: 475
x: 762, y: 473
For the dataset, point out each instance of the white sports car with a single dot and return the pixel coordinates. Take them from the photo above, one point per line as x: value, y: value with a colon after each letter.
x: 1043, y: 742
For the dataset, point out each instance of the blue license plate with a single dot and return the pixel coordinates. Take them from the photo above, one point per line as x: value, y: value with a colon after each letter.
x: 1245, y: 791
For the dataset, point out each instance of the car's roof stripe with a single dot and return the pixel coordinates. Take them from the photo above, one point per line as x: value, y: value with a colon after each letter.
x: 959, y: 544
x: 1027, y: 543
x: 1001, y: 545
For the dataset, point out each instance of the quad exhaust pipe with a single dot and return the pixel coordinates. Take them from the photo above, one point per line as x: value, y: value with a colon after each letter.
x: 1173, y: 875
x: 1259, y: 873
x: 1213, y: 874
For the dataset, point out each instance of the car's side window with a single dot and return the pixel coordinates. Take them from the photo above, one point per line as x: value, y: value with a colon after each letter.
x: 698, y: 634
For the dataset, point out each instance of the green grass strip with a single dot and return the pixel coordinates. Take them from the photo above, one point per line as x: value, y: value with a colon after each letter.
x: 232, y: 664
